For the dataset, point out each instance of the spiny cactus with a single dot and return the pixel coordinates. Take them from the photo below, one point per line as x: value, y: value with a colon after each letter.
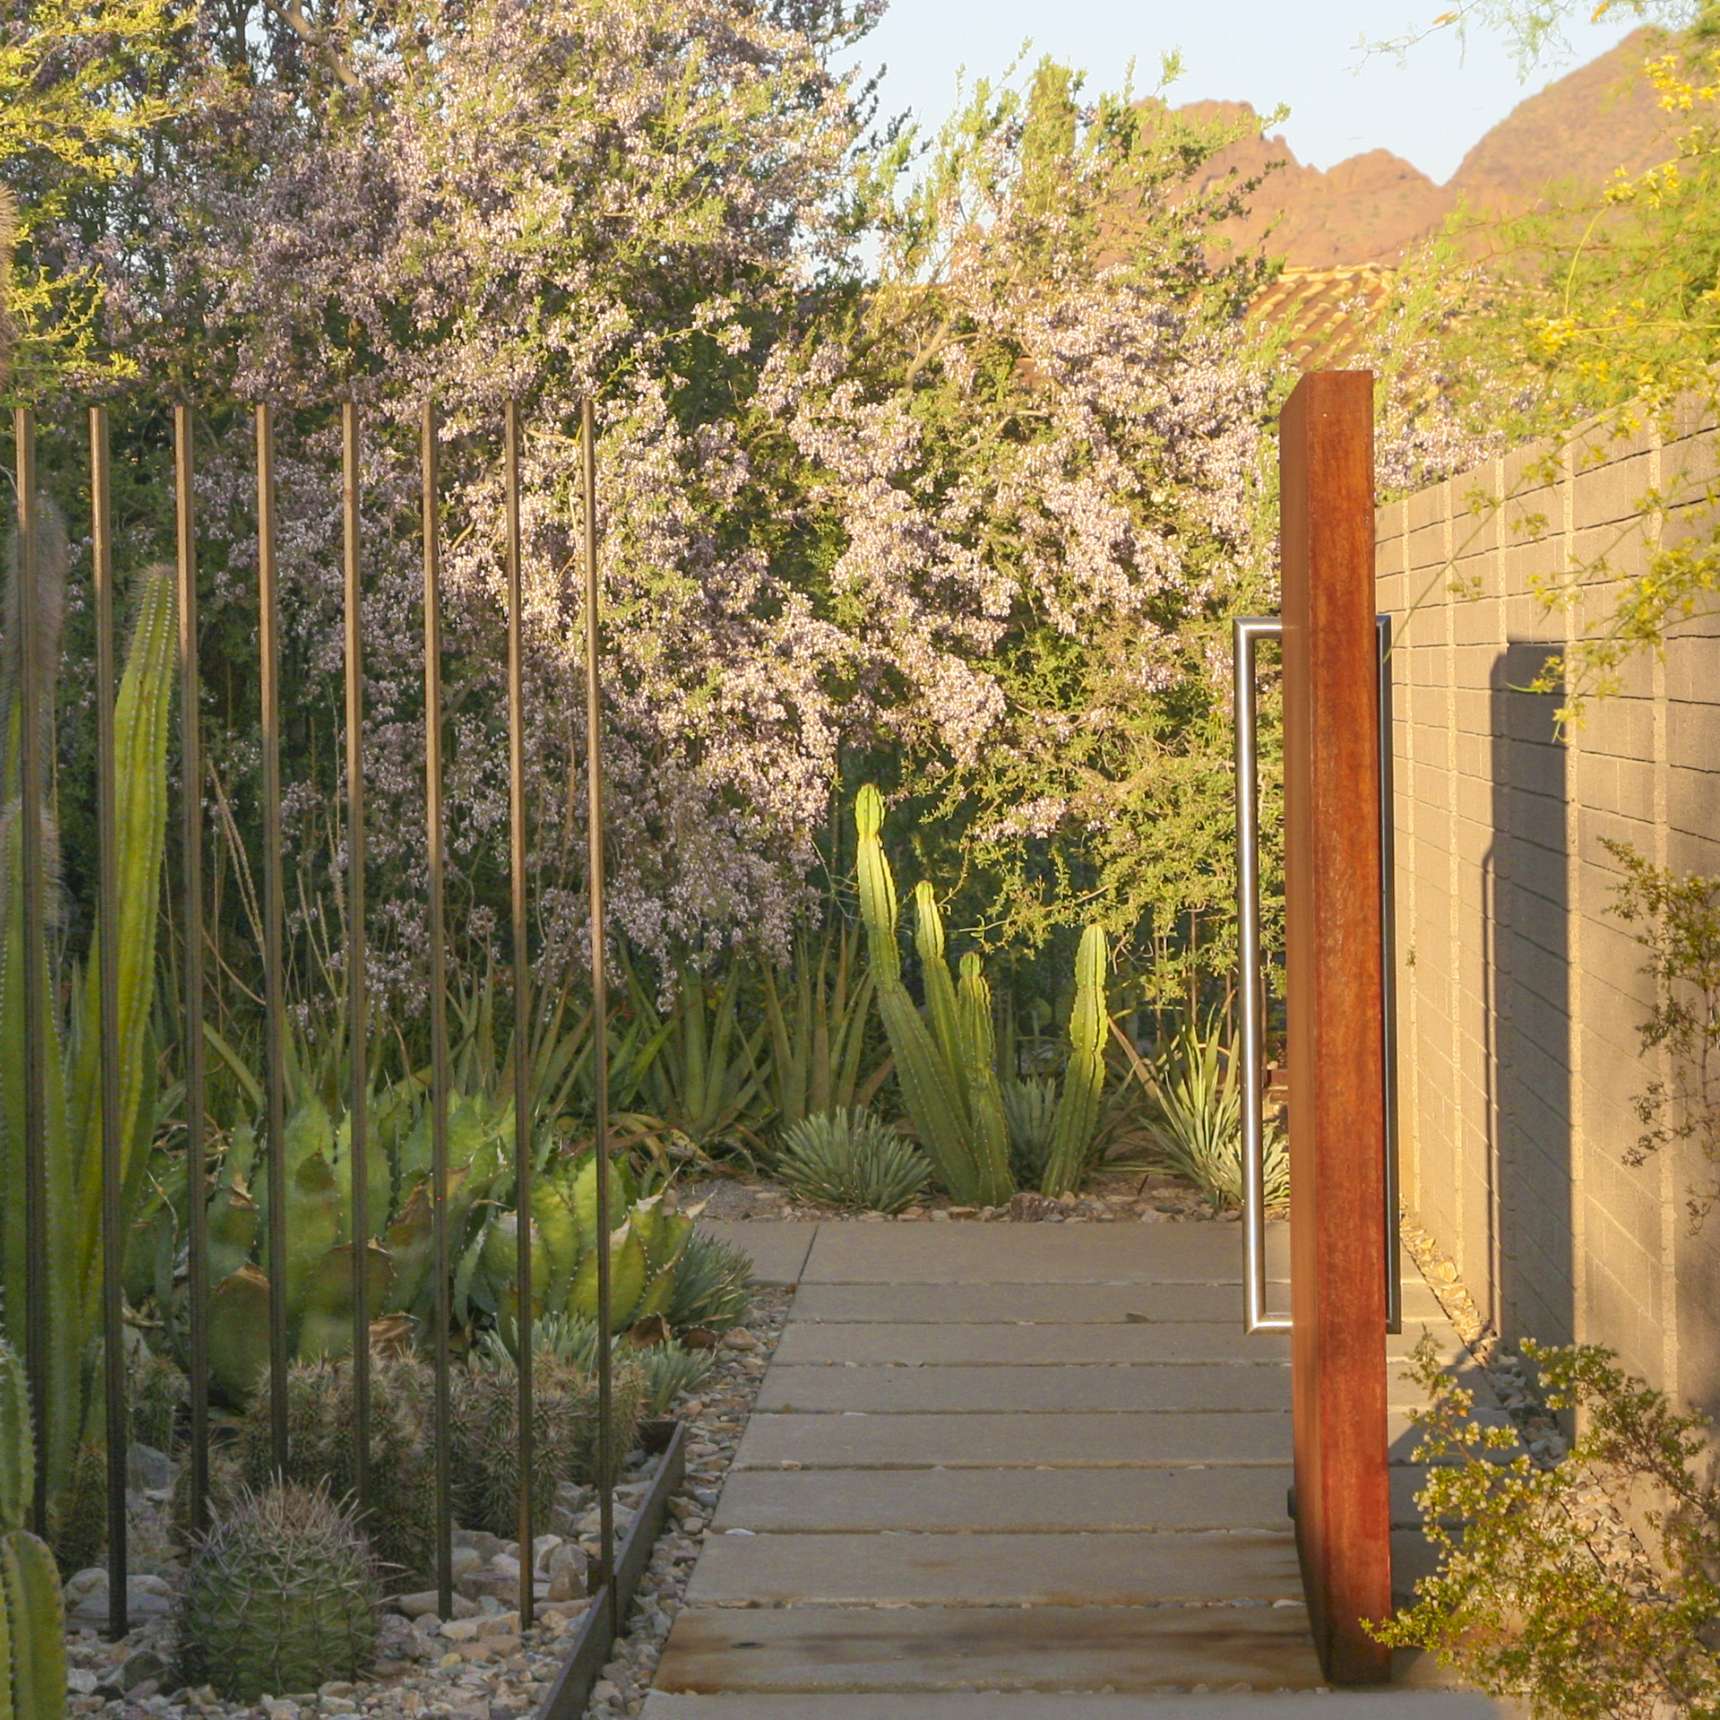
x: 1084, y: 1074
x: 74, y: 1043
x: 933, y: 1064
x: 486, y: 1424
x: 32, y: 1615
x: 281, y: 1596
x: 400, y: 1515
x: 850, y: 1159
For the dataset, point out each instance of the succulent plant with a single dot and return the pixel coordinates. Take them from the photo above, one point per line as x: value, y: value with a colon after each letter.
x: 400, y: 1513
x: 32, y: 1614
x: 1077, y: 1119
x: 673, y: 1371
x: 712, y: 1285
x: 849, y: 1159
x: 156, y: 1390
x: 1030, y: 1108
x: 281, y: 1595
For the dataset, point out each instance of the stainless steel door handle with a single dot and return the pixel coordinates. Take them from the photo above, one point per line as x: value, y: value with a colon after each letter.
x: 1249, y: 630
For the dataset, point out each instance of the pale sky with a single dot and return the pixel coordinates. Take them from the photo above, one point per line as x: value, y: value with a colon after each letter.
x: 1429, y: 109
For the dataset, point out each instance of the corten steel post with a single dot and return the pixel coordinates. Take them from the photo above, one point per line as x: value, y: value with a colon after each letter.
x: 113, y: 1220
x: 1336, y: 1011
x: 274, y: 986
x: 31, y: 694
x: 443, y: 1318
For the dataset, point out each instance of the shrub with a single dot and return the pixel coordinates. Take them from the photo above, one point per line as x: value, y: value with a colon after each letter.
x: 281, y: 1596
x: 847, y: 1158
x: 712, y: 1286
x: 1590, y: 1586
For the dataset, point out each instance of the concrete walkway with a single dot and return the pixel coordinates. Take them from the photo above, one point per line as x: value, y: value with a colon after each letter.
x: 1017, y: 1471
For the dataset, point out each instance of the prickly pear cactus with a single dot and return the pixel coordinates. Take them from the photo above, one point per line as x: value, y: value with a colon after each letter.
x: 281, y: 1596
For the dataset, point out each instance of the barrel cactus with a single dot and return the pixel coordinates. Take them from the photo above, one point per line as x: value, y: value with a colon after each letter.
x: 322, y: 1419
x: 281, y: 1596
x: 32, y: 1615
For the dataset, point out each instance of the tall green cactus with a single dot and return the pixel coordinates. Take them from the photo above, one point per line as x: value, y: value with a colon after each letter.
x: 1077, y: 1116
x: 74, y: 1047
x: 32, y: 1614
x: 948, y: 1082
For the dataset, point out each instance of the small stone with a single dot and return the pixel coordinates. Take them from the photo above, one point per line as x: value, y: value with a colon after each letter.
x: 148, y: 1469
x: 963, y: 1211
x: 569, y: 1570
x: 460, y: 1629
x: 80, y: 1681
x: 739, y: 1339
x: 939, y: 1216
x: 142, y: 1666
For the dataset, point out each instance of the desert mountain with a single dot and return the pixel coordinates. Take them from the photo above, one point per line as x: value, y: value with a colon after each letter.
x: 1370, y: 208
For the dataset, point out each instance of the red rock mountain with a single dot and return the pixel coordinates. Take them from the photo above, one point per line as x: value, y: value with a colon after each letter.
x: 1370, y: 208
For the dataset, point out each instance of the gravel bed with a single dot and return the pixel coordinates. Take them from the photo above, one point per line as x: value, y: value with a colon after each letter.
x: 715, y: 1424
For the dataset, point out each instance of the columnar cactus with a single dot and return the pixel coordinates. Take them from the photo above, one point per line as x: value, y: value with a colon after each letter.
x: 1084, y: 1074
x: 936, y: 1067
x: 32, y: 1616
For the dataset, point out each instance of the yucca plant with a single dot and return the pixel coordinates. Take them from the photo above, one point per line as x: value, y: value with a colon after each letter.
x: 847, y: 1158
x: 817, y: 1016
x: 32, y: 1614
x: 1194, y: 1126
x: 1030, y: 1109
x: 75, y: 1042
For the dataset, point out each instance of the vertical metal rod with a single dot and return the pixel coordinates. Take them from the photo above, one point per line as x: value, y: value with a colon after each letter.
x: 599, y: 1004
x: 274, y: 988
x: 1388, y: 979
x: 358, y: 1000
x: 438, y: 1004
x: 113, y: 1170
x: 1249, y: 630
x: 31, y: 694
x: 522, y: 996
x: 191, y: 793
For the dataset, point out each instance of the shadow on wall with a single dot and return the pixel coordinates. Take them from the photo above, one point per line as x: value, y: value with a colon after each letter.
x: 1526, y: 1012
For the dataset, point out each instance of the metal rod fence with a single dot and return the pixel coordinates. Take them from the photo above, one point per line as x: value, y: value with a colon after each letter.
x: 35, y: 713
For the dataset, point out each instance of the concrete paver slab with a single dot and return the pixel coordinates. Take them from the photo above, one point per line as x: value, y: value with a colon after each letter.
x: 1030, y: 1345
x: 1096, y: 1501
x: 778, y: 1246
x: 1035, y: 1253
x: 1091, y: 1705
x: 886, y: 1390
x: 1166, y: 1567
x: 1115, y: 1303
x: 996, y: 1441
x: 1052, y: 1649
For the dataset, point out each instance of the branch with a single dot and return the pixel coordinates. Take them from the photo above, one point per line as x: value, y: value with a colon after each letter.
x: 291, y: 13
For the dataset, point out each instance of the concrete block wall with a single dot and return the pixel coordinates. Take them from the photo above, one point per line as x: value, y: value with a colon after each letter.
x: 1519, y: 991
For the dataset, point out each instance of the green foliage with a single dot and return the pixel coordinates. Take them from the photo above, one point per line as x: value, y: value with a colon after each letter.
x: 848, y: 1159
x: 1590, y: 1586
x: 712, y: 1285
x: 74, y: 1043
x: 156, y: 1391
x: 322, y: 1419
x: 945, y: 1073
x: 1677, y: 921
x: 817, y: 1041
x: 32, y: 1614
x: 281, y: 1596
x: 1194, y: 1128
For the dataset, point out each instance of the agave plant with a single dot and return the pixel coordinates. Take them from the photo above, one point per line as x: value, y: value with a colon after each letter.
x: 1030, y: 1109
x: 1194, y: 1128
x: 847, y: 1158
x: 71, y: 1029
